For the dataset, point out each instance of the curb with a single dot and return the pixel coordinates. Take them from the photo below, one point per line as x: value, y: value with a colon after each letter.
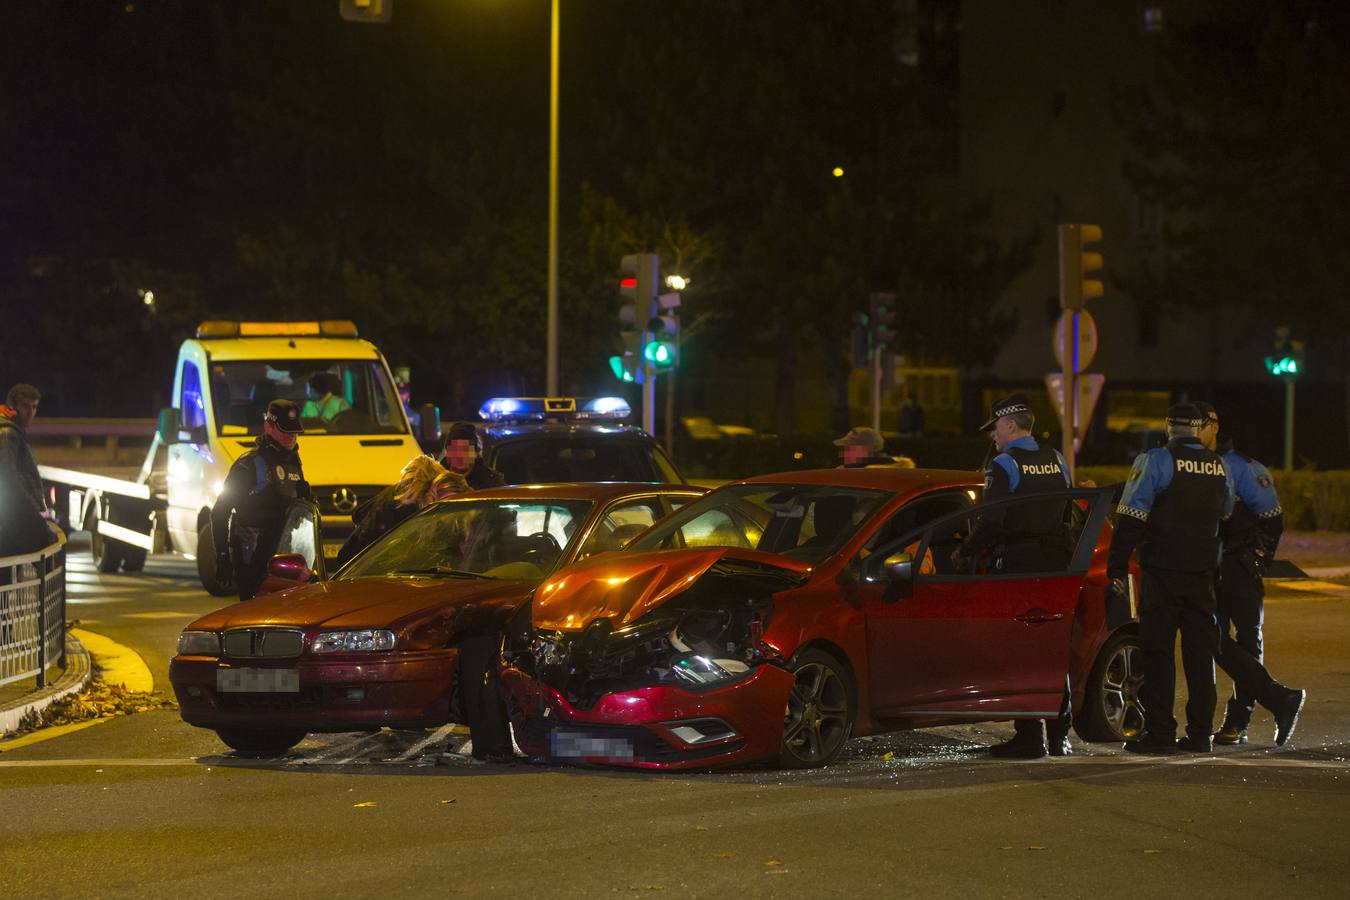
x: 79, y: 671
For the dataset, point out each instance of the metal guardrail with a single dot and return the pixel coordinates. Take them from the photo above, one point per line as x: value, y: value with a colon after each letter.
x: 33, y: 613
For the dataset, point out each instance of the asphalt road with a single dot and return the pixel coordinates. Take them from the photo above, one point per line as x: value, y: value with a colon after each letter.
x: 146, y: 806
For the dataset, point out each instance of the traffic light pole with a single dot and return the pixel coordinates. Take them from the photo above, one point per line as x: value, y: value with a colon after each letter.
x: 876, y: 389
x: 648, y: 397
x: 1071, y: 400
x: 551, y: 375
x: 1288, y: 423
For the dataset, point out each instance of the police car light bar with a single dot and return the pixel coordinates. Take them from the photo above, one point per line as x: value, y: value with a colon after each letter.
x: 330, y: 328
x: 505, y: 409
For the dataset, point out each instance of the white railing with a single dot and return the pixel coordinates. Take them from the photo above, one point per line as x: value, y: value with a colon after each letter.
x: 33, y: 613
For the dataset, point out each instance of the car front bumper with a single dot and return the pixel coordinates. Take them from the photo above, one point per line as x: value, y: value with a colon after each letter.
x: 653, y: 727
x: 402, y: 690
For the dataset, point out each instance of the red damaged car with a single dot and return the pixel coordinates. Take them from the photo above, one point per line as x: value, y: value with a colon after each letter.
x: 378, y: 644
x: 776, y: 617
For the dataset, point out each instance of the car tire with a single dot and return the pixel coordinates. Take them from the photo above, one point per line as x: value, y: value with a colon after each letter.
x: 1111, y: 708
x: 206, y: 565
x: 106, y: 552
x: 820, y: 711
x: 260, y: 742
x: 133, y: 559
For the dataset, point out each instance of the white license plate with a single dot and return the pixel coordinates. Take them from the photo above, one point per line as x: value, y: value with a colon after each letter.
x: 579, y: 745
x: 258, y: 681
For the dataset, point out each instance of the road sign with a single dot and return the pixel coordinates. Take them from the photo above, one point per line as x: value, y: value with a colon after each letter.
x: 1089, y: 390
x: 1063, y: 340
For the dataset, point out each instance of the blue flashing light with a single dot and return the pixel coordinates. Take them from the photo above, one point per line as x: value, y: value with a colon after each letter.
x: 501, y: 408
x: 609, y: 407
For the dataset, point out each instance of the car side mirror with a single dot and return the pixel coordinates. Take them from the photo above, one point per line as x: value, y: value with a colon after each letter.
x: 290, y: 567
x: 167, y: 426
x: 898, y: 572
x: 429, y: 425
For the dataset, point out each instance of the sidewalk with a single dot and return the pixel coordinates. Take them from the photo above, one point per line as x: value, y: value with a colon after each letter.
x: 79, y: 669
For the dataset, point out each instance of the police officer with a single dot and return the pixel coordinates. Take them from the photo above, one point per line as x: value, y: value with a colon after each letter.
x: 247, y: 519
x: 1025, y: 538
x: 463, y: 455
x: 1250, y: 537
x: 1170, y: 510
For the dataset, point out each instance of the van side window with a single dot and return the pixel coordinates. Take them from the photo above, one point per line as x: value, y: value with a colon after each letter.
x: 191, y: 405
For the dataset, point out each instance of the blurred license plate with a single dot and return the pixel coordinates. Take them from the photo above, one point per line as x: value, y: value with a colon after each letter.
x: 331, y: 550
x: 578, y: 744
x: 258, y: 681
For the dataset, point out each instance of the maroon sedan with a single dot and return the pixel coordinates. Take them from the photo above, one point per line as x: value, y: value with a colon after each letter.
x: 777, y: 616
x: 378, y: 644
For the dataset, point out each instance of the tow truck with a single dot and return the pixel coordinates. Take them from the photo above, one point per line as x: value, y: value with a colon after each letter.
x: 357, y: 438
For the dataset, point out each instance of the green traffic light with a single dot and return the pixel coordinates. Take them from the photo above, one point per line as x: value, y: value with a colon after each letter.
x: 1282, y: 365
x: 659, y: 353
x: 619, y: 369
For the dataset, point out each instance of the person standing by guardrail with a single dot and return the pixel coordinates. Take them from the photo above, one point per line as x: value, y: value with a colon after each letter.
x: 22, y: 504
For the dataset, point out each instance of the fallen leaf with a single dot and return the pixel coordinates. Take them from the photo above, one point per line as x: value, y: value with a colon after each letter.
x: 887, y: 756
x: 365, y: 803
x: 724, y: 855
x: 772, y: 862
x: 1152, y: 851
x: 1009, y: 847
x: 700, y: 827
x: 447, y: 801
x: 1035, y: 847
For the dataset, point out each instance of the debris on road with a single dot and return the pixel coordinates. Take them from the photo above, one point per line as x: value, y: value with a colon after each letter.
x: 98, y: 701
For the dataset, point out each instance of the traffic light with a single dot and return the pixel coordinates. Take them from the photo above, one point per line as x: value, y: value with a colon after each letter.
x: 376, y: 11
x: 662, y: 349
x: 1287, y: 359
x: 881, y: 319
x: 1075, y: 264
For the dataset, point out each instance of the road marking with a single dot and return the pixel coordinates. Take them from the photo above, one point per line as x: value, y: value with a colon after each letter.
x: 166, y: 614
x: 1313, y: 585
x: 41, y: 763
x: 120, y: 665
x: 439, y: 734
x: 46, y: 734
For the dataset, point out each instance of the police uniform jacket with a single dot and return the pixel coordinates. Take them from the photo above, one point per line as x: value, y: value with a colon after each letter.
x: 260, y: 486
x: 1023, y: 467
x: 1258, y: 520
x: 1174, y: 502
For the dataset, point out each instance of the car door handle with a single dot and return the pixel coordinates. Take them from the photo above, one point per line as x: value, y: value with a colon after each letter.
x: 1039, y: 616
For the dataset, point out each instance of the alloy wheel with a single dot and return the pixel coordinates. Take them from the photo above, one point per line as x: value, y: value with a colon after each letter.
x: 1121, y: 680
x: 817, y: 721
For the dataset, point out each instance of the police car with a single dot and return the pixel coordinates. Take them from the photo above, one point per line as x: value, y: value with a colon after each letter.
x: 551, y: 440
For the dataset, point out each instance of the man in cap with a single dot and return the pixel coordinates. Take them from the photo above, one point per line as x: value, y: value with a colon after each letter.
x: 863, y: 447
x: 248, y: 517
x: 1250, y: 537
x: 1171, y: 509
x: 463, y: 455
x: 1025, y: 538
x: 23, y: 503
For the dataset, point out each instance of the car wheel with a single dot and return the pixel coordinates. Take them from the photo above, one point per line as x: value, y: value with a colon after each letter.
x: 206, y: 565
x: 259, y: 742
x: 1111, y: 707
x: 133, y: 559
x: 819, y: 715
x: 107, y: 553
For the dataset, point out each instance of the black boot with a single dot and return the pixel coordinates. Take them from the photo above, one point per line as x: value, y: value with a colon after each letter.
x: 1057, y: 737
x: 1027, y: 742
x: 1286, y: 718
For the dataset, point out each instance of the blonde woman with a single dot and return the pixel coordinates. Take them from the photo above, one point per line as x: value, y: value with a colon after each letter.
x: 422, y: 482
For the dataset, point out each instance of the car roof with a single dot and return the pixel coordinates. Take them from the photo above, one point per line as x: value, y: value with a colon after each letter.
x: 591, y: 490
x: 505, y: 432
x: 288, y: 348
x: 887, y: 478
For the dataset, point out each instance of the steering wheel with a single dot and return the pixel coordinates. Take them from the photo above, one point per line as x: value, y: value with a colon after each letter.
x: 534, y: 553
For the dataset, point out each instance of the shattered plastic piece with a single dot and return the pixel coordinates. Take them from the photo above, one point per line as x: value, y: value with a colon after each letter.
x: 365, y: 803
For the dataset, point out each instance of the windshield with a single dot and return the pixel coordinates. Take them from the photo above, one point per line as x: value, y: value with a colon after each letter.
x: 335, y: 396
x: 808, y: 522
x: 563, y: 459
x: 476, y: 539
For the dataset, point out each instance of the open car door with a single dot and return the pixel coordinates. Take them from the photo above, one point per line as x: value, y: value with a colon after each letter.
x: 991, y: 641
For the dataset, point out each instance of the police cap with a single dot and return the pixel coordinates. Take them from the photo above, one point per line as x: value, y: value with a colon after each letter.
x: 1206, y: 410
x: 1185, y: 415
x: 285, y: 415
x: 1013, y: 403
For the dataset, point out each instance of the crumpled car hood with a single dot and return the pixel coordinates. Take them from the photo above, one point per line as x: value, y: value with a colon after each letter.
x: 623, y: 586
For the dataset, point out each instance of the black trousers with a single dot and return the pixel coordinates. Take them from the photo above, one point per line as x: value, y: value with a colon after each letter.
x: 1055, y: 729
x: 1170, y: 602
x: 251, y: 549
x: 1241, y: 608
x: 480, y: 701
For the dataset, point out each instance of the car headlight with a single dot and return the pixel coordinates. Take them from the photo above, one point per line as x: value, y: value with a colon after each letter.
x: 368, y: 640
x: 199, y: 643
x: 697, y: 668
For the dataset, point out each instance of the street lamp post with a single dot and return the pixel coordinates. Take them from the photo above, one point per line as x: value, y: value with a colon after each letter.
x: 552, y: 374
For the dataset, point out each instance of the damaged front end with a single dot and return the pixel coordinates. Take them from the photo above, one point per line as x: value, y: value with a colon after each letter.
x: 663, y: 670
